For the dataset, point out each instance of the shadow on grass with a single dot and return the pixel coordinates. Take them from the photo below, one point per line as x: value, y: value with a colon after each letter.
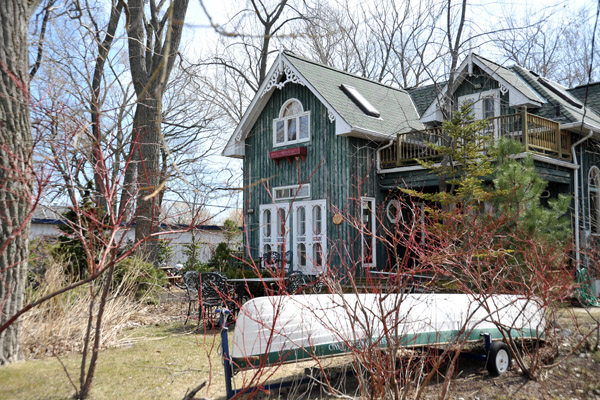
x: 192, y: 327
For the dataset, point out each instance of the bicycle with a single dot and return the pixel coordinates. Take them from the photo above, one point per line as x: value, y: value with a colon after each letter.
x: 175, y: 275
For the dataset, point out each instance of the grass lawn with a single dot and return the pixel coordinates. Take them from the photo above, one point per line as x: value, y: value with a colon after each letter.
x: 159, y: 363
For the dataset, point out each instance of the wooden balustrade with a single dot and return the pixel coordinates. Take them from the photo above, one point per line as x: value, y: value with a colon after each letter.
x: 542, y: 136
x: 416, y: 146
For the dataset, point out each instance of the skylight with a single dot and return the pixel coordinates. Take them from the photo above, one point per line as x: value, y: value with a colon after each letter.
x: 360, y: 101
x: 560, y: 91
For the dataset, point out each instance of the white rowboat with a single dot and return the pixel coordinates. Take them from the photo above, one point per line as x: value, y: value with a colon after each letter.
x: 278, y: 329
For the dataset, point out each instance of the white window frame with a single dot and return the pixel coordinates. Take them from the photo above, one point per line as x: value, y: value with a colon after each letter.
x: 297, y: 117
x: 368, y: 203
x: 594, y: 209
x: 294, y: 192
x: 274, y: 239
x: 477, y: 100
x: 309, y: 239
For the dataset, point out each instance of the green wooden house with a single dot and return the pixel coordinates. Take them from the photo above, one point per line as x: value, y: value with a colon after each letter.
x: 325, y: 151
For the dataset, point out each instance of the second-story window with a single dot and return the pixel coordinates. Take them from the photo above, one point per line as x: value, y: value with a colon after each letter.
x: 292, y: 126
x: 489, y: 108
x: 483, y: 104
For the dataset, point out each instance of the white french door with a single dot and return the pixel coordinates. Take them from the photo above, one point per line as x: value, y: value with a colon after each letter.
x: 310, y: 236
x: 274, y: 229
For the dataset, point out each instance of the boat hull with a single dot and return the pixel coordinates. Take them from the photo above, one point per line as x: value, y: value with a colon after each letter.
x: 280, y: 329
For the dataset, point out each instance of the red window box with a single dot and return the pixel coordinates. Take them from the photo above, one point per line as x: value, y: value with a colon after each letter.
x: 289, y: 154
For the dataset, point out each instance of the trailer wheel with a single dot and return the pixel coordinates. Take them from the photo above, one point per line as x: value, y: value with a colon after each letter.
x: 498, y: 359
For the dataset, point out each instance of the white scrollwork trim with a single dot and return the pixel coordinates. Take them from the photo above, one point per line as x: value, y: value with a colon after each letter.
x: 290, y: 77
x: 330, y: 115
x: 503, y: 89
x: 273, y: 80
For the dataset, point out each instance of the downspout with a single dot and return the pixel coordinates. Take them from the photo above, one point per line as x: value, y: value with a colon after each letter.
x: 582, y: 191
x: 576, y: 190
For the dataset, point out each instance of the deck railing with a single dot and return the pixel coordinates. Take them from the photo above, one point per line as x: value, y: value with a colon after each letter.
x: 541, y: 136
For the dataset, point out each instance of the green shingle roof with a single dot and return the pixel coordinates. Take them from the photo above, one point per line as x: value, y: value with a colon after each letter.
x: 423, y: 96
x: 593, y: 95
x: 398, y: 113
x: 558, y: 98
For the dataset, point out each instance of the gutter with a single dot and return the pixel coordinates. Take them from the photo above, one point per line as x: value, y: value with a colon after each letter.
x: 581, y: 126
x: 576, y: 190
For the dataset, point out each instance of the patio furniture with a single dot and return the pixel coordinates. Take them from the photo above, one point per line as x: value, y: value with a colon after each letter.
x: 209, y: 290
x: 298, y: 282
x: 191, y: 280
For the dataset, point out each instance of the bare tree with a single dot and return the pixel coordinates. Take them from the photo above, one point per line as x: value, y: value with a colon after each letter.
x: 248, y: 37
x: 553, y: 45
x: 381, y: 40
x: 104, y: 46
x: 16, y: 189
x: 154, y: 37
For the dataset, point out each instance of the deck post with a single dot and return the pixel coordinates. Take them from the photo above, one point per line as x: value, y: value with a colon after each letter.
x: 525, y: 128
x: 398, y: 150
x: 225, y: 348
x: 558, y: 140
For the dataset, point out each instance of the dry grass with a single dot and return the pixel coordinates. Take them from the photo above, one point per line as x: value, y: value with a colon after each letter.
x: 58, y: 326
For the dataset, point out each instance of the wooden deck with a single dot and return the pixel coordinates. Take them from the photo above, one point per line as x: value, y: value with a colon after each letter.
x: 542, y: 136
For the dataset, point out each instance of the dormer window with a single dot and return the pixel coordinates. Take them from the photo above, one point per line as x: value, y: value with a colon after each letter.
x: 293, y: 124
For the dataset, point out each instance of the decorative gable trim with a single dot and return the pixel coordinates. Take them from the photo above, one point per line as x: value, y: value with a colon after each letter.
x: 293, y: 76
x: 290, y: 77
x: 235, y: 145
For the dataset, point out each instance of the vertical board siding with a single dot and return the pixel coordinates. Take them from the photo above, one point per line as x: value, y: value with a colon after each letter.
x: 331, y: 161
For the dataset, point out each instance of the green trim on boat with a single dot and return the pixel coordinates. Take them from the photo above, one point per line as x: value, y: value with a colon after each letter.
x: 339, y: 348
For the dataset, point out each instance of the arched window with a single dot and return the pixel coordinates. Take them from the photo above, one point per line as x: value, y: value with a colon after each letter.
x: 594, y: 199
x: 293, y: 124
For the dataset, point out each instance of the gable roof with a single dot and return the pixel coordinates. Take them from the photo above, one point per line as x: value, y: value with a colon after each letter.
x: 525, y: 88
x: 506, y: 75
x: 397, y: 111
x: 519, y: 92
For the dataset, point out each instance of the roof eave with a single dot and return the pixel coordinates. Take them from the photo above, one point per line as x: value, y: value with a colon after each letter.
x: 234, y: 149
x: 256, y: 105
x: 365, y: 133
x: 583, y: 126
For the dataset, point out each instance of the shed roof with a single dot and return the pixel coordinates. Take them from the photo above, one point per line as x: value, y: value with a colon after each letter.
x: 571, y: 108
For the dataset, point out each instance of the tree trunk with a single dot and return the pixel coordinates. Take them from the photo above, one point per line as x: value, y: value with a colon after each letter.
x: 151, y: 66
x: 149, y: 173
x: 15, y: 168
